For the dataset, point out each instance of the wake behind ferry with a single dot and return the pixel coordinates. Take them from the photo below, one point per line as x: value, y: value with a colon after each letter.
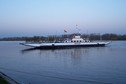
x: 76, y: 41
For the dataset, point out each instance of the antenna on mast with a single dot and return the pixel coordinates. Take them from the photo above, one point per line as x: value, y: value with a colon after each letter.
x: 77, y: 29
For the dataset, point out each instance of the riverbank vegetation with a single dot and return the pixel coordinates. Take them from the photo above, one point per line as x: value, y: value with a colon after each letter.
x: 2, y: 81
x: 51, y: 38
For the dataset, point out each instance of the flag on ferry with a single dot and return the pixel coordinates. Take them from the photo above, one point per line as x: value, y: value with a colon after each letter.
x: 65, y: 31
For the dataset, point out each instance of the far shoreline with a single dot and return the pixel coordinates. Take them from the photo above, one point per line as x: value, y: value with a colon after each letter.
x: 93, y: 36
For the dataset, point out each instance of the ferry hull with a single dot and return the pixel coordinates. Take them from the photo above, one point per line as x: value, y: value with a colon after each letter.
x: 64, y: 45
x: 69, y: 46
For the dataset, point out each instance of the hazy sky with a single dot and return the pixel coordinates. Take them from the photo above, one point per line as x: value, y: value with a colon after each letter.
x: 48, y: 17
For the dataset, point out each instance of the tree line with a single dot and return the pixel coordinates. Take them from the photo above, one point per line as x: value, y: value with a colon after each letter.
x: 53, y: 38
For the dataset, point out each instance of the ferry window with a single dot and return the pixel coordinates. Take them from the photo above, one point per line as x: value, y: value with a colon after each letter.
x: 74, y: 41
x: 71, y: 41
x: 80, y: 41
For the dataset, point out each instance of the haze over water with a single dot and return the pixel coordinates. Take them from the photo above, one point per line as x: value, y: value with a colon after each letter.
x: 92, y: 65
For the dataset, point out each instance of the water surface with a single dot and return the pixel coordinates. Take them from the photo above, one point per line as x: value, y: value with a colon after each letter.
x: 92, y: 65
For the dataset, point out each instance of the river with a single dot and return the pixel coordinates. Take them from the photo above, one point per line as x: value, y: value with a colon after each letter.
x: 87, y: 65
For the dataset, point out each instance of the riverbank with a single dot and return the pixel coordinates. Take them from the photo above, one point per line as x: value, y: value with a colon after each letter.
x: 4, y: 79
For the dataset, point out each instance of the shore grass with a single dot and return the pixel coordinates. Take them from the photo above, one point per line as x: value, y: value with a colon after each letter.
x: 2, y: 81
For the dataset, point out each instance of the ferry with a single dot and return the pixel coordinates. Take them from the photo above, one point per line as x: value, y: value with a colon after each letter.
x: 76, y: 41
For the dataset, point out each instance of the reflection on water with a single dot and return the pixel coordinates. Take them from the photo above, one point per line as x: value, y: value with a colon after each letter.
x: 74, y: 53
x: 92, y: 65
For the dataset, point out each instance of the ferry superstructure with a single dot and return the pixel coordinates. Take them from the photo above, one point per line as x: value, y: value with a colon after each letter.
x: 76, y: 41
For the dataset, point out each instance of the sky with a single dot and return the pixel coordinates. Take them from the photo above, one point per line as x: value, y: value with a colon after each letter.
x: 52, y: 17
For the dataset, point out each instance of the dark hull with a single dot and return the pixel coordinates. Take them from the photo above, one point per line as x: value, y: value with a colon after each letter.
x: 69, y: 46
